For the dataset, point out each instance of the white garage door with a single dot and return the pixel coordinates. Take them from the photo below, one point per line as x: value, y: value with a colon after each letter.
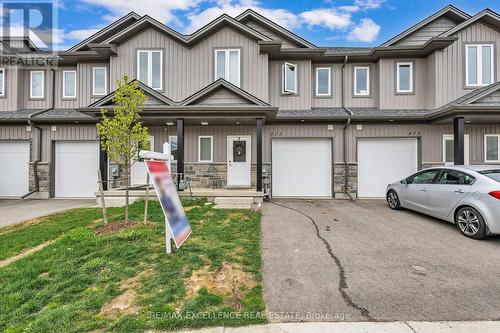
x: 301, y: 168
x: 76, y: 165
x: 14, y: 168
x: 384, y: 161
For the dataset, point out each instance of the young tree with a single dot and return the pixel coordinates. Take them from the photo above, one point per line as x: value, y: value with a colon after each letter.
x: 122, y: 135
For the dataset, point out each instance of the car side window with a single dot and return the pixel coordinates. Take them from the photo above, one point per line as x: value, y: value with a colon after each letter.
x: 454, y: 177
x: 425, y: 177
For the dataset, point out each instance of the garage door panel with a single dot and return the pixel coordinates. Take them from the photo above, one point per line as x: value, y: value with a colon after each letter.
x: 384, y: 161
x: 14, y: 168
x: 301, y: 167
x: 76, y: 165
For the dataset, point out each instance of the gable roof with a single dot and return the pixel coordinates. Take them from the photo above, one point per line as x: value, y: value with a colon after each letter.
x: 222, y: 84
x: 250, y: 14
x: 148, y: 91
x: 487, y: 15
x: 105, y: 32
x: 477, y: 94
x: 449, y: 10
x: 189, y: 40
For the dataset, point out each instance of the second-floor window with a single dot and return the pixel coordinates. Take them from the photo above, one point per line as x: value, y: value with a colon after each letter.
x: 150, y: 68
x: 361, y: 81
x: 99, y: 81
x: 2, y: 82
x: 479, y: 65
x: 404, y: 77
x: 227, y: 65
x: 69, y: 84
x: 289, y: 84
x: 37, y: 84
x: 323, y: 81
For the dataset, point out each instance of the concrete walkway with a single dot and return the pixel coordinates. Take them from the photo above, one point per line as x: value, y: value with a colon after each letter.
x: 13, y: 211
x: 364, y: 327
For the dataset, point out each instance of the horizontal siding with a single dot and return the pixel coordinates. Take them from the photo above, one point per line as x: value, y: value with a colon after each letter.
x: 270, y: 34
x: 301, y: 101
x: 223, y: 97
x: 450, y: 64
x: 187, y: 70
x: 432, y: 29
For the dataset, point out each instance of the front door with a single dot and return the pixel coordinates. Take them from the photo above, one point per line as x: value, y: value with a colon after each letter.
x: 239, y: 156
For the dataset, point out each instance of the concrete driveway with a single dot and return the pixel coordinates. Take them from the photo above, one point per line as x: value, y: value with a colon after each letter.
x: 333, y: 260
x: 17, y: 211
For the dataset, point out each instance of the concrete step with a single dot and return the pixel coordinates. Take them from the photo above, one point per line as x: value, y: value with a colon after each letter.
x: 233, y: 207
x: 234, y: 201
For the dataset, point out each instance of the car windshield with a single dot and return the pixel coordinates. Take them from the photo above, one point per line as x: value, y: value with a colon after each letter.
x: 493, y: 174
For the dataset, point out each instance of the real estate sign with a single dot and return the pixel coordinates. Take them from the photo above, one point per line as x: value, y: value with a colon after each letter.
x: 169, y: 200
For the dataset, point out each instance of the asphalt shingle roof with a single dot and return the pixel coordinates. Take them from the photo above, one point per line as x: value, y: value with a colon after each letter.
x: 53, y: 115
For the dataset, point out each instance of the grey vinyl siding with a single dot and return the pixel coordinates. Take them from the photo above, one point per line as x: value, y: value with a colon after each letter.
x: 430, y: 82
x: 47, y: 94
x: 266, y: 32
x: 450, y: 64
x: 434, y: 28
x: 223, y: 97
x: 303, y: 98
x: 334, y: 100
x: 187, y: 70
x: 12, y: 99
x: 63, y: 132
x: 60, y: 101
x: 431, y: 138
x: 302, y: 131
x: 493, y: 98
x: 361, y: 101
x: 389, y: 99
x: 84, y: 77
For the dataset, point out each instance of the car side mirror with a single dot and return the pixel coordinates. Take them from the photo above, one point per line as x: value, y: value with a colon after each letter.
x: 406, y: 181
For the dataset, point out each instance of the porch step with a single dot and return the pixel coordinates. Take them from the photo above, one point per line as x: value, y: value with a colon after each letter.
x: 233, y: 202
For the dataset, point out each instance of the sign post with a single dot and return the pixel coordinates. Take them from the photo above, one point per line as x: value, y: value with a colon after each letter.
x: 177, y: 227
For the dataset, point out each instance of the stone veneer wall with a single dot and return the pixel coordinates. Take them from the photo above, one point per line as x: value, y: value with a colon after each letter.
x: 339, y: 171
x: 43, y: 171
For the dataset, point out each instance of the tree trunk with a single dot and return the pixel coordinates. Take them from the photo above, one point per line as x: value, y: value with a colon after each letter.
x: 126, y: 192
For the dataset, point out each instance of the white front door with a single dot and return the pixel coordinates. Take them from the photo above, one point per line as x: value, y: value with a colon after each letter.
x: 14, y: 168
x: 239, y: 157
x: 76, y: 164
x: 138, y: 172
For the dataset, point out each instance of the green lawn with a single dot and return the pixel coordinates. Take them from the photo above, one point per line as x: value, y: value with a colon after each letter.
x: 124, y: 281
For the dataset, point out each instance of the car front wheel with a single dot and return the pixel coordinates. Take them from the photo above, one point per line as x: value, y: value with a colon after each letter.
x: 470, y: 223
x: 393, y: 200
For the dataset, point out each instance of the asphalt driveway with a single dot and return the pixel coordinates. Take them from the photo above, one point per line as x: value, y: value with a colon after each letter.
x: 14, y: 211
x: 333, y: 260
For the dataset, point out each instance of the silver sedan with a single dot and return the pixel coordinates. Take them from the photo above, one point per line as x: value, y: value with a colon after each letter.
x: 468, y: 196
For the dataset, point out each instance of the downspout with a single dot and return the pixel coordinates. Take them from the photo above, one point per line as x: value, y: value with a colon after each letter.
x: 39, y: 139
x: 346, y: 126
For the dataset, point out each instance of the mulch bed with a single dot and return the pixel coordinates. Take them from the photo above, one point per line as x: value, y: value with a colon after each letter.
x: 114, y: 227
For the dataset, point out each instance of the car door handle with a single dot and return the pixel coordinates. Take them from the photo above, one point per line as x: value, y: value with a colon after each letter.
x: 459, y: 191
x: 423, y: 190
